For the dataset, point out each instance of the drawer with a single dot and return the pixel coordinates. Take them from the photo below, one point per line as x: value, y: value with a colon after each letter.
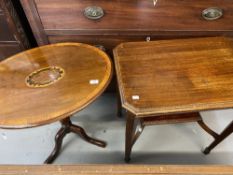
x: 109, y: 42
x: 106, y: 42
x: 8, y: 49
x: 5, y: 33
x: 134, y: 16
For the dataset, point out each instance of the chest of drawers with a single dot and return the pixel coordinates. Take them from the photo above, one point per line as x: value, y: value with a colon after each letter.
x: 125, y: 20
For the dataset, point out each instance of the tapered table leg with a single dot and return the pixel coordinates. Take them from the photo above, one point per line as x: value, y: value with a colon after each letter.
x: 129, y: 134
x: 66, y: 128
x: 226, y: 132
x: 119, y: 107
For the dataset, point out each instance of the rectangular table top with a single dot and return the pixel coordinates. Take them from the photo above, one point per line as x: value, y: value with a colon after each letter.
x: 175, y: 76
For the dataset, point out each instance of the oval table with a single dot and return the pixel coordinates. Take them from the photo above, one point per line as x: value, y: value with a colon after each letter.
x: 49, y: 84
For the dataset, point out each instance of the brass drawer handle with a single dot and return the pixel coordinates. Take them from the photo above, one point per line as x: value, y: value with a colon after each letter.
x: 93, y: 12
x: 212, y: 13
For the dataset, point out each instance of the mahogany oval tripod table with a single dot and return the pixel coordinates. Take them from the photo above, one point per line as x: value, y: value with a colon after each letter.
x: 49, y: 84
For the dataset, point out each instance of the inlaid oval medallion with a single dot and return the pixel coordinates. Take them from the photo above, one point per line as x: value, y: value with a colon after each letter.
x: 45, y: 76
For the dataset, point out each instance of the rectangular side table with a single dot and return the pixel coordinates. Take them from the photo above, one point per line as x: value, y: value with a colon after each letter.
x: 170, y: 81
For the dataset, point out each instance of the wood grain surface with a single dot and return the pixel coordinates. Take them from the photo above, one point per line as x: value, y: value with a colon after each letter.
x: 13, y: 38
x: 134, y: 15
x: 23, y: 106
x: 175, y: 76
x: 124, y: 21
x: 116, y: 169
x: 128, y: 20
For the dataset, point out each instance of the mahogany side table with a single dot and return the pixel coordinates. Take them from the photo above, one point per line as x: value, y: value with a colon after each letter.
x: 170, y: 81
x: 49, y: 84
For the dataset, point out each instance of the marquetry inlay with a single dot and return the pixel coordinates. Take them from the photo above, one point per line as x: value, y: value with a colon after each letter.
x: 45, y: 76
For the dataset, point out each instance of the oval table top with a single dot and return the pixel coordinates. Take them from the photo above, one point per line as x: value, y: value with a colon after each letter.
x: 50, y: 83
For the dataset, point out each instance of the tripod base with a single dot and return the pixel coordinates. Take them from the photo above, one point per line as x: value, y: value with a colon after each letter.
x: 66, y: 128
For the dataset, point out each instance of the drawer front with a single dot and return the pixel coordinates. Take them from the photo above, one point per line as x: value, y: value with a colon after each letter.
x: 5, y: 33
x: 134, y: 15
x: 8, y: 49
x: 109, y: 42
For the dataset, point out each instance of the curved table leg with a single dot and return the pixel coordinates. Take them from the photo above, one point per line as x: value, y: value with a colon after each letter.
x: 226, y: 132
x: 58, y: 143
x: 68, y: 127
x: 207, y: 129
x: 81, y: 132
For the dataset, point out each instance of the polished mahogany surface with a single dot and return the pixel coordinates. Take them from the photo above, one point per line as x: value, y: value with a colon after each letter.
x: 57, y: 21
x: 124, y: 20
x: 49, y: 83
x: 175, y: 76
x: 133, y: 15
